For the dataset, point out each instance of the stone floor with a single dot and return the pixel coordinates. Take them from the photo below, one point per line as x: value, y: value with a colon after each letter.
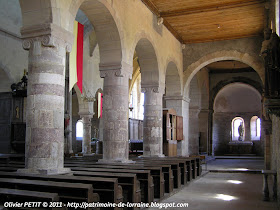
x: 220, y: 191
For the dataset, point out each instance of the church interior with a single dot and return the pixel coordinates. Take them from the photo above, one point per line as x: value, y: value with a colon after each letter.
x: 140, y: 102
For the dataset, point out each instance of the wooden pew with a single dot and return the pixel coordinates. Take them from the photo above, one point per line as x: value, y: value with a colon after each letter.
x: 174, y: 167
x: 67, y: 192
x: 21, y: 196
x: 128, y: 182
x: 107, y: 188
x: 144, y: 176
x: 156, y: 172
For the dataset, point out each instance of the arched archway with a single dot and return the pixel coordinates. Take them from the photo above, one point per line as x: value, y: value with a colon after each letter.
x: 235, y: 101
x: 172, y: 80
x: 150, y: 85
x: 252, y: 61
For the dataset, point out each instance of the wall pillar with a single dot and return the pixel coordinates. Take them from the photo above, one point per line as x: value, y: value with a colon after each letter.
x: 152, y: 125
x: 44, y: 149
x: 194, y: 131
x: 115, y: 113
x: 86, y: 145
x: 179, y: 103
x: 203, y: 129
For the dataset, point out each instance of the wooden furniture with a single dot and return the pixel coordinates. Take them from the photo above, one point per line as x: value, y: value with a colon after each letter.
x: 128, y: 182
x: 21, y: 196
x: 12, y: 123
x: 143, y: 176
x: 172, y: 132
x: 107, y: 188
x: 67, y: 192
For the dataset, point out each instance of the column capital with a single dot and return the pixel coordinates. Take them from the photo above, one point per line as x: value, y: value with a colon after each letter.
x: 116, y: 69
x: 153, y: 89
x: 48, y: 35
x: 86, y: 115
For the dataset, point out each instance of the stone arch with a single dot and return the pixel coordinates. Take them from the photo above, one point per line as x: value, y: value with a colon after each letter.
x: 108, y: 37
x: 172, y: 80
x: 222, y: 84
x: 252, y: 61
x: 49, y: 14
x: 148, y: 63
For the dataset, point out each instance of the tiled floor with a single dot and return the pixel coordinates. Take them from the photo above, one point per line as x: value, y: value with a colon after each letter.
x: 224, y: 191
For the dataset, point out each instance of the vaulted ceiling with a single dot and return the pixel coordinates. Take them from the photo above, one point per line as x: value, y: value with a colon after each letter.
x: 196, y: 21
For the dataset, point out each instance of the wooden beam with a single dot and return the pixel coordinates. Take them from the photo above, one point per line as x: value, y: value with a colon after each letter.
x: 173, y: 31
x: 155, y: 10
x: 207, y: 9
x: 193, y: 41
x: 152, y: 7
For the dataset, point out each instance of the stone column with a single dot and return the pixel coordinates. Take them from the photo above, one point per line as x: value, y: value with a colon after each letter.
x: 86, y: 146
x: 68, y: 147
x: 115, y: 112
x: 152, y: 135
x: 44, y: 148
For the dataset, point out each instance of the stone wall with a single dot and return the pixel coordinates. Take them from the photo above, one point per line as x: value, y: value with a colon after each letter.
x: 222, y: 123
x: 275, y: 150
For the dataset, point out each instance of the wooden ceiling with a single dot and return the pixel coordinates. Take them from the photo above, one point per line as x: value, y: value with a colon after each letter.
x: 196, y: 21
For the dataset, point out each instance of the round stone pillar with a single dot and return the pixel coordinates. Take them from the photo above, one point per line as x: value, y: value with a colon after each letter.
x: 152, y: 125
x: 44, y: 147
x: 115, y: 114
x: 86, y: 147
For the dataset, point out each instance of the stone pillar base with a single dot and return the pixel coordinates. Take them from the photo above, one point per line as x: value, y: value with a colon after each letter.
x: 54, y: 171
x: 115, y: 161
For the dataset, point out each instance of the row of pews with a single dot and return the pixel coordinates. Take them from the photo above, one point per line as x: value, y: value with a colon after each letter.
x: 145, y: 180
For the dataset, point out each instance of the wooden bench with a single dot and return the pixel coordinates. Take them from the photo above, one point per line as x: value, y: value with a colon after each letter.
x: 128, y: 182
x: 21, y: 196
x: 68, y: 192
x: 163, y: 163
x: 156, y: 172
x: 144, y: 177
x: 107, y: 188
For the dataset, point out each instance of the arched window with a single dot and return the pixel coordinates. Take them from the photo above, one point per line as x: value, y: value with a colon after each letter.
x: 79, y: 130
x: 238, y: 130
x: 136, y: 102
x: 255, y: 128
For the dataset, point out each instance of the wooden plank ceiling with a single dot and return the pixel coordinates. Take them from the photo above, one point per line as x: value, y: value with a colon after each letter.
x: 196, y: 21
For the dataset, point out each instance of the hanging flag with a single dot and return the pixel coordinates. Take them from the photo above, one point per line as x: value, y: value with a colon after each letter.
x: 76, y: 58
x: 100, y: 101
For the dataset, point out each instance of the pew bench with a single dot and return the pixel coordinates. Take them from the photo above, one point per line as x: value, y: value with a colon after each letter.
x: 21, y: 196
x: 128, y: 182
x: 67, y: 192
x: 107, y: 188
x: 156, y: 173
x: 143, y: 176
